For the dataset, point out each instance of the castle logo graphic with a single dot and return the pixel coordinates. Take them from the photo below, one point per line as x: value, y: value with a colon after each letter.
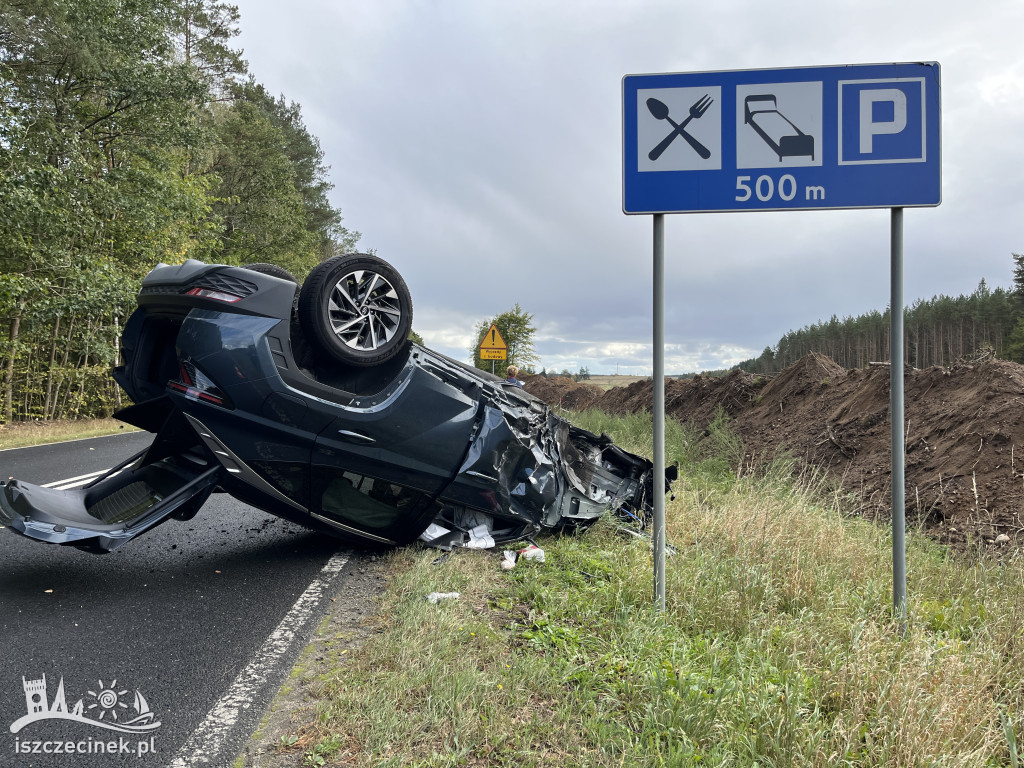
x: 107, y: 707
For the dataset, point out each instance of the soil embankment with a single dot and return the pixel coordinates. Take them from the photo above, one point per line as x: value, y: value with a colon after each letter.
x: 964, y: 474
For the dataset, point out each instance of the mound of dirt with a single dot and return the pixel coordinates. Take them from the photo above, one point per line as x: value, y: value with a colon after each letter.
x: 698, y: 400
x: 563, y: 391
x: 962, y: 426
x: 799, y: 380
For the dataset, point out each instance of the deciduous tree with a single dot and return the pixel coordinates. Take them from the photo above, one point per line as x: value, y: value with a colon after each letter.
x: 516, y: 328
x: 128, y: 137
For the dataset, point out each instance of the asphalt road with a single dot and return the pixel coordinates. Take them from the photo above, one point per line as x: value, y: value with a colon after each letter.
x: 176, y: 615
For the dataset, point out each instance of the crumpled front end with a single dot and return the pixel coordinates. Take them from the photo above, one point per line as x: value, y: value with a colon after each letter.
x: 534, y: 470
x: 511, y: 468
x: 602, y: 476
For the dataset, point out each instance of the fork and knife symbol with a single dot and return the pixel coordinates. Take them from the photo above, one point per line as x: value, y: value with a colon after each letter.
x: 660, y: 111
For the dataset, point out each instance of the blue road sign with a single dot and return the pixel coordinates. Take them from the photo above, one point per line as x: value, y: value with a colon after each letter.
x: 857, y: 136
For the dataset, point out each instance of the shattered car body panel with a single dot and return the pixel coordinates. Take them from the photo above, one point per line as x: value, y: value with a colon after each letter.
x: 241, y: 402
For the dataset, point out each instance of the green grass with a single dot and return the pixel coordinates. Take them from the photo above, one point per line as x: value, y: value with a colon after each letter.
x: 23, y: 434
x: 777, y: 648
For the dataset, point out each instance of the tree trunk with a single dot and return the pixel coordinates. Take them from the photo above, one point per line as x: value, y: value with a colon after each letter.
x: 26, y: 394
x: 50, y: 401
x: 82, y: 370
x: 117, y: 358
x: 9, y: 370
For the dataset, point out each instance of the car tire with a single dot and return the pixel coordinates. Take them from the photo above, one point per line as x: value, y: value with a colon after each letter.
x: 271, y: 269
x: 357, y: 308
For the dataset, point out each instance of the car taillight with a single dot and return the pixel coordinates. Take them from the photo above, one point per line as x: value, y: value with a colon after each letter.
x: 209, y: 293
x: 196, y: 385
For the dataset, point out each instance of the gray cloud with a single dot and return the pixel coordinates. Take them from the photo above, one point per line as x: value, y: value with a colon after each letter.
x: 477, y: 146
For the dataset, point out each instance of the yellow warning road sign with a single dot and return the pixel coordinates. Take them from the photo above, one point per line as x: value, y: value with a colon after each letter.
x: 492, y: 340
x: 493, y: 354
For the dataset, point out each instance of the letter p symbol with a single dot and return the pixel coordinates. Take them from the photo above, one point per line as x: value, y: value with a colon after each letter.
x: 869, y: 127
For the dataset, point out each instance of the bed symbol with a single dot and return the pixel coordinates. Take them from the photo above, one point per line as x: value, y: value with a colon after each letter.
x: 761, y: 113
x: 661, y: 112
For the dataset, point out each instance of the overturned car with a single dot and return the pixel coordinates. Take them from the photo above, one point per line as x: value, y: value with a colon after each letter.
x: 312, y: 405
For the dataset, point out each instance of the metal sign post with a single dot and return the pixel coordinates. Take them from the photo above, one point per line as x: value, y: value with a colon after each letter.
x: 899, y: 554
x: 659, y: 411
x: 810, y: 138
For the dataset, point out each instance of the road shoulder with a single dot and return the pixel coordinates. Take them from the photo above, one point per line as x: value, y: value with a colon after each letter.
x: 351, y: 619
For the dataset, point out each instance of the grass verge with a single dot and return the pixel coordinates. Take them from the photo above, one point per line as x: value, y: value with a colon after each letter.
x: 777, y: 647
x: 22, y: 434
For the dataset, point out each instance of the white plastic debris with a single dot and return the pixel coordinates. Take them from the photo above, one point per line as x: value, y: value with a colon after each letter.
x: 508, y: 560
x: 480, y: 537
x: 436, y: 597
x: 434, y: 531
x: 532, y: 552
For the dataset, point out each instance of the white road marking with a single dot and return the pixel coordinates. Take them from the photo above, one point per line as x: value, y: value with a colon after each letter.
x: 74, y: 482
x: 206, y: 743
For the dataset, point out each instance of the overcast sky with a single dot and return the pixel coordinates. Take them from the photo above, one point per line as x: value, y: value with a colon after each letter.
x: 477, y: 146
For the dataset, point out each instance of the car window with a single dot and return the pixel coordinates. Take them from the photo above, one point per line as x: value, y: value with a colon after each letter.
x: 368, y: 503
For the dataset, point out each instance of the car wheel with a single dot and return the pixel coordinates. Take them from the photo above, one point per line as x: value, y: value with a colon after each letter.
x: 357, y: 308
x: 271, y: 269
